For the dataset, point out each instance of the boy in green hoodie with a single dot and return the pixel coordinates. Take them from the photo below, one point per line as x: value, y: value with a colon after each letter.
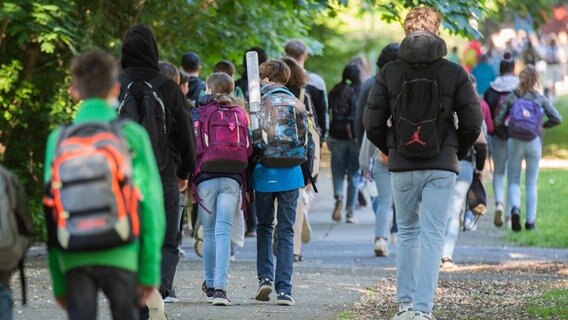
x: 128, y: 273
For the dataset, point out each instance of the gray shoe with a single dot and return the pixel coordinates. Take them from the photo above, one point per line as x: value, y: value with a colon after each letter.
x: 264, y: 290
x: 351, y: 218
x: 405, y: 312
x: 419, y: 315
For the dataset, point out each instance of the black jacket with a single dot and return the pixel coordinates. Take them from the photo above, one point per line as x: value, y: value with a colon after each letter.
x: 140, y: 61
x: 456, y: 93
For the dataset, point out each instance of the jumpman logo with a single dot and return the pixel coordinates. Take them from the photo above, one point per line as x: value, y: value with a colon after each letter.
x: 416, y: 138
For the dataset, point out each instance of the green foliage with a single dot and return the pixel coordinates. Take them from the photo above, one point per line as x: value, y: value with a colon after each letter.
x: 551, y: 222
x: 555, y: 142
x: 550, y: 305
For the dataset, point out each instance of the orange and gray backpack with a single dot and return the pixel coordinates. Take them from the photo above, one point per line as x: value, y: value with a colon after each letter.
x: 93, y: 200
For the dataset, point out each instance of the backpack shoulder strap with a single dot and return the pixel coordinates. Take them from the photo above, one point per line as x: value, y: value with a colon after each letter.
x: 302, y: 94
x: 158, y: 81
x: 278, y: 90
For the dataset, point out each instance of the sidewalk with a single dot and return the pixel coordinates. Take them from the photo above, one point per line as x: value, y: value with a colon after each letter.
x: 339, y: 266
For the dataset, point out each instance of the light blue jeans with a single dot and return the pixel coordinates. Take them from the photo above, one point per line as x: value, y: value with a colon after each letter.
x: 499, y: 153
x: 6, y: 303
x: 421, y: 199
x: 345, y: 161
x: 221, y: 197
x: 463, y: 181
x: 383, y: 209
x: 531, y: 152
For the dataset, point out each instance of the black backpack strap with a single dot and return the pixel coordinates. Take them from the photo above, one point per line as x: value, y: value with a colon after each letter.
x: 158, y: 81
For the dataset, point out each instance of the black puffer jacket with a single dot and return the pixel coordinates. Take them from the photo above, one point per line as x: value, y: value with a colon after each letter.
x: 456, y: 93
x: 140, y: 61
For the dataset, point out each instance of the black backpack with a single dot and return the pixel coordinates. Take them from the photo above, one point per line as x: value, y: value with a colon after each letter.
x: 343, y: 101
x: 418, y: 115
x: 142, y: 102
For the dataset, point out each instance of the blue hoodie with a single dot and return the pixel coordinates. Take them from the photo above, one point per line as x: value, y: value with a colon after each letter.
x: 277, y: 179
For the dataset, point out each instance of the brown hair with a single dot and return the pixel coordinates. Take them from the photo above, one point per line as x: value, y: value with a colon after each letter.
x: 295, y: 48
x: 224, y: 66
x: 275, y: 70
x: 94, y: 73
x: 222, y: 87
x: 169, y: 70
x: 422, y: 19
x: 528, y: 79
x: 298, y: 78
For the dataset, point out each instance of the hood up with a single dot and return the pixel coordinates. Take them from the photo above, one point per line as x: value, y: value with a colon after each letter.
x: 139, y: 49
x: 422, y: 47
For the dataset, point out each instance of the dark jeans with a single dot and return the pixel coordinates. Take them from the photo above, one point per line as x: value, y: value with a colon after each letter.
x: 285, y: 216
x: 172, y: 240
x: 119, y: 286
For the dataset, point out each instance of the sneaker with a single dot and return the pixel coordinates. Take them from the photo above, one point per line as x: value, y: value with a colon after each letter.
x: 285, y: 299
x: 419, y: 315
x: 447, y: 264
x: 250, y: 234
x: 498, y: 220
x: 306, y: 228
x: 516, y: 219
x: 264, y: 290
x: 351, y: 218
x: 220, y: 298
x: 381, y: 247
x: 336, y: 214
x: 298, y: 258
x: 208, y: 292
x: 529, y: 226
x: 170, y: 299
x: 404, y: 312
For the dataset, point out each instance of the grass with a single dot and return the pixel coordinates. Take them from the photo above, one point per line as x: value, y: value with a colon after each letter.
x: 552, y: 216
x: 555, y: 142
x: 550, y: 305
x: 345, y: 315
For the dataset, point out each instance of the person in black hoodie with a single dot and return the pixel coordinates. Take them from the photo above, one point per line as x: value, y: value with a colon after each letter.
x: 140, y: 61
x: 422, y: 187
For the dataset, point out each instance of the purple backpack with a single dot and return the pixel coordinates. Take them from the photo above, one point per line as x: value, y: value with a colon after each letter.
x: 525, y: 119
x: 222, y: 137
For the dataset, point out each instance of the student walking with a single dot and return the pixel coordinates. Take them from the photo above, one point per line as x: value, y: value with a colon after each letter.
x: 170, y: 134
x: 224, y: 146
x: 277, y: 176
x: 525, y: 108
x: 423, y: 158
x: 342, y: 142
x: 102, y: 242
x: 191, y: 64
x: 495, y: 96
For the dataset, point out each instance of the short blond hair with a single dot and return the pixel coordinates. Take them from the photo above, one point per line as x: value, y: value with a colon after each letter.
x: 422, y: 19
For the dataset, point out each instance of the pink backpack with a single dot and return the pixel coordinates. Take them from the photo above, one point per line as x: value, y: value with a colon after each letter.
x: 222, y: 136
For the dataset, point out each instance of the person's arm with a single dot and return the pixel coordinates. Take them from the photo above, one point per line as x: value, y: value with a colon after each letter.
x: 470, y: 117
x: 58, y: 280
x: 480, y: 147
x: 377, y: 112
x: 183, y: 137
x: 152, y: 215
x: 500, y: 117
x: 319, y: 101
x: 361, y: 102
x: 554, y: 118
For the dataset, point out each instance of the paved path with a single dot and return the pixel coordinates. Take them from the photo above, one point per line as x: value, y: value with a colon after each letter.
x: 339, y: 265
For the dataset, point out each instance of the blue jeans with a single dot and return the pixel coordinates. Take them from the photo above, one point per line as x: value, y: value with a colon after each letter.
x: 345, y: 161
x: 421, y: 199
x: 383, y: 209
x: 531, y: 152
x: 457, y: 201
x: 499, y: 153
x: 6, y: 303
x: 221, y: 197
x: 286, y: 215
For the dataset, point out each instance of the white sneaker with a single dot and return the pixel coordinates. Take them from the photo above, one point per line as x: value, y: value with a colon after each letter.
x: 498, y: 219
x: 381, y: 247
x: 404, y: 312
x: 419, y: 315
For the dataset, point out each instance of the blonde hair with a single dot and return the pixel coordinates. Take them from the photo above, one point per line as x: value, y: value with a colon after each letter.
x: 422, y: 19
x: 222, y: 87
x: 528, y: 79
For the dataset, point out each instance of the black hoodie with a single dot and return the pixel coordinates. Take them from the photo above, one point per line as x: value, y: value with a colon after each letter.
x: 456, y: 94
x: 140, y: 61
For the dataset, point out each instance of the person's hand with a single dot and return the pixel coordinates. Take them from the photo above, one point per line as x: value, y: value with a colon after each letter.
x: 182, y: 184
x: 479, y: 174
x: 144, y: 293
x: 62, y: 302
x: 366, y: 173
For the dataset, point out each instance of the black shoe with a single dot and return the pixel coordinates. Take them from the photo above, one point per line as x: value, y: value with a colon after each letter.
x: 529, y: 226
x: 285, y: 299
x: 516, y: 219
x: 220, y: 298
x: 208, y: 292
x: 361, y: 199
x: 264, y: 290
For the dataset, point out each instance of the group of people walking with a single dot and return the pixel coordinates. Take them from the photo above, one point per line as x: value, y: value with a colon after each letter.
x: 148, y: 133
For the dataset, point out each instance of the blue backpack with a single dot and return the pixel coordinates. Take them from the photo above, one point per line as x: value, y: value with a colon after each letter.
x: 525, y: 119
